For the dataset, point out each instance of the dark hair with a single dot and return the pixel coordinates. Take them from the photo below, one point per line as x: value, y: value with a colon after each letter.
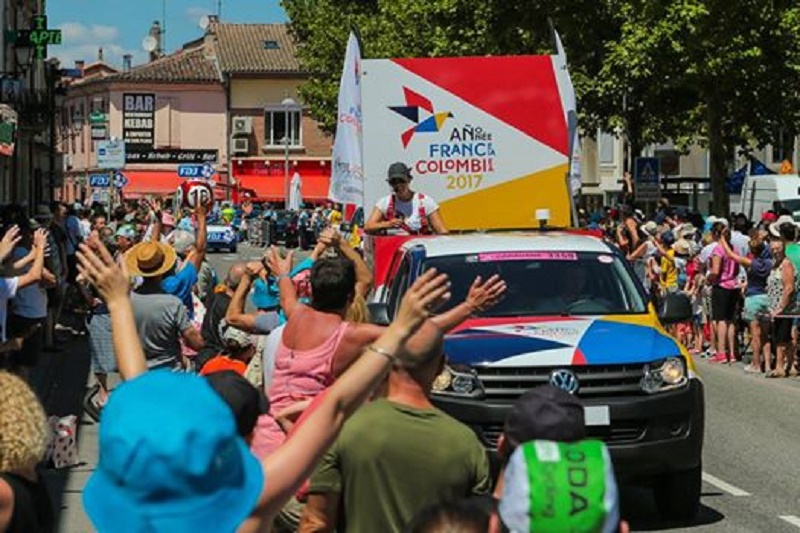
x: 741, y: 224
x: 450, y: 517
x: 788, y: 232
x: 333, y: 282
x: 717, y: 229
x: 119, y: 213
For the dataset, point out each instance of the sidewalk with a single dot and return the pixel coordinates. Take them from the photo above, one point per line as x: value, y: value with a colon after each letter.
x: 63, y: 383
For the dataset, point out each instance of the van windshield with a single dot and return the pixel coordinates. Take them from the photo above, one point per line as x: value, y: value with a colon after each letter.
x: 793, y: 206
x: 547, y: 283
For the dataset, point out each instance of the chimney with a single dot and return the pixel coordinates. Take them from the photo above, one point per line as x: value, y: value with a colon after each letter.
x: 157, y: 34
x: 213, y: 19
x: 127, y: 62
x: 79, y: 64
x: 100, y: 54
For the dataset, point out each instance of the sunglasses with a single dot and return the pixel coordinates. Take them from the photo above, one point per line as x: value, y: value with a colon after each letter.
x: 397, y: 182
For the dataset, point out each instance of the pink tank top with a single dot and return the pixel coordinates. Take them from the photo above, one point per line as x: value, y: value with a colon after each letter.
x: 299, y: 375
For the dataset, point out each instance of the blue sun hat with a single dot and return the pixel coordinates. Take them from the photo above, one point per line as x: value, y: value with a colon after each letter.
x: 556, y: 486
x: 171, y: 460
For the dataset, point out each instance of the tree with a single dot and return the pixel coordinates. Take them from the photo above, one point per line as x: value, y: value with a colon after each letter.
x: 722, y: 67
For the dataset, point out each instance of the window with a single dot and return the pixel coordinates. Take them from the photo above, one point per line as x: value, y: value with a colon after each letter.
x: 278, y: 122
x: 606, y: 146
x: 579, y: 283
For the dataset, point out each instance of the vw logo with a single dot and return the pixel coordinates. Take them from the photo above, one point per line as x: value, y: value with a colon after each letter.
x: 564, y: 380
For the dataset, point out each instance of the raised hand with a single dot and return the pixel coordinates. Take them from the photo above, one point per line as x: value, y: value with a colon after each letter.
x: 40, y: 238
x: 100, y: 269
x: 254, y: 268
x: 279, y: 266
x: 429, y: 291
x: 9, y: 241
x: 485, y: 294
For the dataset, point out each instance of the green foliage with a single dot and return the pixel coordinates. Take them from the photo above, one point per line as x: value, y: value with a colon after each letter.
x: 719, y: 72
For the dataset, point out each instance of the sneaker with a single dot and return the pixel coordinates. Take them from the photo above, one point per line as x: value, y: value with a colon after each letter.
x: 750, y: 369
x: 719, y: 358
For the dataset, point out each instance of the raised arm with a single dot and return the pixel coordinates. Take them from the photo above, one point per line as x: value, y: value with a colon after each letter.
x: 482, y: 295
x: 34, y: 275
x: 201, y: 241
x: 744, y: 261
x: 293, y: 462
x: 97, y: 266
x: 281, y: 267
x: 157, y: 212
x: 236, y: 316
x: 363, y: 273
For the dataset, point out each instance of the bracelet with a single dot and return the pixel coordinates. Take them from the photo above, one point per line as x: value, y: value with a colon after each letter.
x: 380, y: 351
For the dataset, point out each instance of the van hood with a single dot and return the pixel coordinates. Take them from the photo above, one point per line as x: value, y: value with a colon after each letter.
x: 554, y: 341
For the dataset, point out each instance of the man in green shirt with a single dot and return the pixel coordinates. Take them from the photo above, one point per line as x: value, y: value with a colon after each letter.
x: 396, y: 456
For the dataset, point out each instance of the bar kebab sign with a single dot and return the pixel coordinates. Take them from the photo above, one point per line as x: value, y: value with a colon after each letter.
x: 138, y: 119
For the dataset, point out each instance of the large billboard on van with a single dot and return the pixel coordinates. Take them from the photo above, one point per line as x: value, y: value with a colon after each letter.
x: 486, y: 137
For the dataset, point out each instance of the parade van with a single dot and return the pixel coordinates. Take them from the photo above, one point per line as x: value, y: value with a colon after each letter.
x: 487, y: 138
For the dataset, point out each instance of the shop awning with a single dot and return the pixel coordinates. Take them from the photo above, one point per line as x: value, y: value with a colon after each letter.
x: 155, y: 182
x: 272, y: 188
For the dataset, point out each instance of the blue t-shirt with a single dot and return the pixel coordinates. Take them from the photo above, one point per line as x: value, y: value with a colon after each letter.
x: 758, y: 273
x: 266, y: 294
x: 181, y: 285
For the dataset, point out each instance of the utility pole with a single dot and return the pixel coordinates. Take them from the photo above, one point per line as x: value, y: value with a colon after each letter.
x: 219, y: 9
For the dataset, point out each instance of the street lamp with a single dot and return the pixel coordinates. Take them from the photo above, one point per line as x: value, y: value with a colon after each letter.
x: 23, y: 53
x: 288, y: 103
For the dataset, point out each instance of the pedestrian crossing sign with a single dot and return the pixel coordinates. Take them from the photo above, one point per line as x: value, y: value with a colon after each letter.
x: 647, y: 179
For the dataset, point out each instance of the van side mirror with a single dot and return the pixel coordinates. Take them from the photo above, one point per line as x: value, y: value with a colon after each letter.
x: 379, y: 314
x: 675, y: 308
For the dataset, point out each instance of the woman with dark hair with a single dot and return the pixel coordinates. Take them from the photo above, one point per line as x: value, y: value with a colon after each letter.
x: 756, y: 301
x: 450, y: 517
x: 782, y: 286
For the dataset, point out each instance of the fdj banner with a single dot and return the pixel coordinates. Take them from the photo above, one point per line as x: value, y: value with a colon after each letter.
x: 485, y: 137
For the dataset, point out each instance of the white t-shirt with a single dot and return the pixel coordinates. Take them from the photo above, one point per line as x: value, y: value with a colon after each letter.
x: 8, y: 289
x: 409, y: 211
x: 30, y: 301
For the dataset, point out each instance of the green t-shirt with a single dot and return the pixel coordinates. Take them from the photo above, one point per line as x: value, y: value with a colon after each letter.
x: 390, y: 461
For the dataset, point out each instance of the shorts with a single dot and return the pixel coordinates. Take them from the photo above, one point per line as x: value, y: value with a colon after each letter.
x: 756, y: 307
x: 723, y: 303
x: 782, y: 330
x: 101, y: 345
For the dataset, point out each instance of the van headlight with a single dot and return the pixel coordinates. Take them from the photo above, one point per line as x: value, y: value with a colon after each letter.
x: 665, y: 374
x: 458, y: 380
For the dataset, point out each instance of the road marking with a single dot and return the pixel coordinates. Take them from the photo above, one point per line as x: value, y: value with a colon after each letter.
x: 721, y: 485
x: 795, y: 521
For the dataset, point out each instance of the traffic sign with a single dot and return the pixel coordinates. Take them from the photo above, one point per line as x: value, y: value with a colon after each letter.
x: 208, y: 171
x: 647, y: 179
x: 111, y: 154
x: 190, y: 171
x: 99, y: 181
x: 120, y: 180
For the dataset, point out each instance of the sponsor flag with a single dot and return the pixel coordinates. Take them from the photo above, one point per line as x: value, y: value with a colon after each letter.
x: 757, y: 168
x: 571, y: 114
x: 347, y: 179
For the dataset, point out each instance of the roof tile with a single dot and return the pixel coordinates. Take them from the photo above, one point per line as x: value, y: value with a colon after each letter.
x: 182, y: 66
x: 256, y: 48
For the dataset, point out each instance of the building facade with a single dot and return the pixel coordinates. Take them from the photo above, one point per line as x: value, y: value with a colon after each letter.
x: 29, y: 163
x: 228, y: 99
x: 168, y: 112
x: 271, y: 134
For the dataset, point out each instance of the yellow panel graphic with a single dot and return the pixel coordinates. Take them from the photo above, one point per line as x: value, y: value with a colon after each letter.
x: 512, y: 204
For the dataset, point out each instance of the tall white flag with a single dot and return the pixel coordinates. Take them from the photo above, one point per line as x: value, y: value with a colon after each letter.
x: 570, y: 114
x: 347, y: 178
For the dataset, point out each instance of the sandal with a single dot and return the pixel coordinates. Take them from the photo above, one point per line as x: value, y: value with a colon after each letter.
x: 793, y: 373
x: 776, y: 374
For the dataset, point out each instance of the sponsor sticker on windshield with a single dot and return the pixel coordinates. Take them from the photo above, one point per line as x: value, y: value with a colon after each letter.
x: 605, y: 259
x: 527, y: 256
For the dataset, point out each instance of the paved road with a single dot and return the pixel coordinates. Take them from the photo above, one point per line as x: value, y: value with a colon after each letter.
x: 751, y: 459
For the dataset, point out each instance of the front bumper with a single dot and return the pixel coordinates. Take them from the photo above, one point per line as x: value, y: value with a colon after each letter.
x: 648, y: 435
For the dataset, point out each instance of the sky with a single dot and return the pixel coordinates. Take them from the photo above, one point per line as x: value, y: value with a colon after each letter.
x: 118, y: 26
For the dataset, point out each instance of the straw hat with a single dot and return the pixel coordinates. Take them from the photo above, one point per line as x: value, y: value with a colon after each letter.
x: 150, y: 259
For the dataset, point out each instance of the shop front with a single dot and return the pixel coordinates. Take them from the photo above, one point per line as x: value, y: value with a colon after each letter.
x: 267, y: 178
